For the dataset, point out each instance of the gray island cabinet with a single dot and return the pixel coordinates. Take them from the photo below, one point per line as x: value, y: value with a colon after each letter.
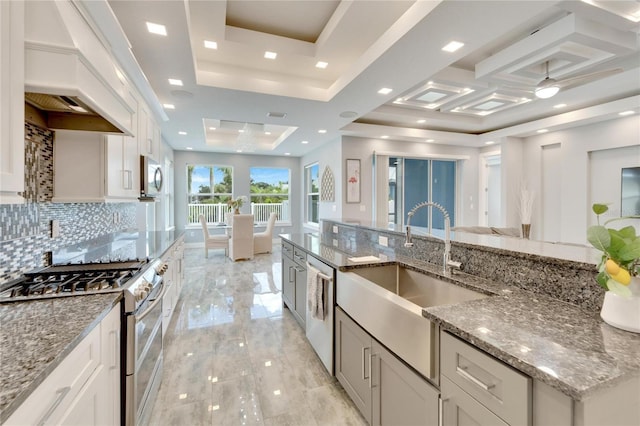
x: 383, y: 387
x: 294, y: 281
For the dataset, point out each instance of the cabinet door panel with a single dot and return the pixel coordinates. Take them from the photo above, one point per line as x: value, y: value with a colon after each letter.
x: 301, y: 293
x: 288, y: 283
x: 400, y: 395
x: 353, y: 347
x: 460, y: 409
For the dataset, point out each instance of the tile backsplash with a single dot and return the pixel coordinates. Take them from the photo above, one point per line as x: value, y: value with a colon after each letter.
x: 25, y: 235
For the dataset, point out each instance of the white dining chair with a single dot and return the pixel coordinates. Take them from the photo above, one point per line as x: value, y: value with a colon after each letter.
x: 241, y: 242
x: 213, y: 241
x: 263, y: 241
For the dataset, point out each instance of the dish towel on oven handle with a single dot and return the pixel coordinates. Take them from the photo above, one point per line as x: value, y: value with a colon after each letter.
x: 315, y: 292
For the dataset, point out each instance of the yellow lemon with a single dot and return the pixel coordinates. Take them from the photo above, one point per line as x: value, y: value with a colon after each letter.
x: 622, y: 277
x: 611, y: 267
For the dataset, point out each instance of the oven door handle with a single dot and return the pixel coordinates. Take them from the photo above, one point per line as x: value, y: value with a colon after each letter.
x: 158, y: 299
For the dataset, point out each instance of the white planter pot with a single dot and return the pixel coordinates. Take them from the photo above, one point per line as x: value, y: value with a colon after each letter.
x: 622, y: 312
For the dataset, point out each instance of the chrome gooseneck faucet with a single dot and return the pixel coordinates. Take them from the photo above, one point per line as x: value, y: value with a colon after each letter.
x: 446, y: 262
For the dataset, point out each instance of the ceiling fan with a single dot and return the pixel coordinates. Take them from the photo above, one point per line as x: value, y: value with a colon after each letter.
x: 550, y: 86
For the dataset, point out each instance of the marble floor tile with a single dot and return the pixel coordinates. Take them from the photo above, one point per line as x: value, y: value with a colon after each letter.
x: 234, y: 356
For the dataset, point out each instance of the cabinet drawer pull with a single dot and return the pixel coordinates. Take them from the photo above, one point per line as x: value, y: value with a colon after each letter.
x: 364, y: 363
x: 462, y: 371
x: 371, y: 385
x: 62, y: 392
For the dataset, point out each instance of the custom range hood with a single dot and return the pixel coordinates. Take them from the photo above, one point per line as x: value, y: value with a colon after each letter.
x: 71, y: 78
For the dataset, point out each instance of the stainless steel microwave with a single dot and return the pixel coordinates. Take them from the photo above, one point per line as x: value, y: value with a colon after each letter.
x: 150, y: 177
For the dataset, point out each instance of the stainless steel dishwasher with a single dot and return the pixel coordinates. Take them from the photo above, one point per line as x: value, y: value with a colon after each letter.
x: 320, y: 332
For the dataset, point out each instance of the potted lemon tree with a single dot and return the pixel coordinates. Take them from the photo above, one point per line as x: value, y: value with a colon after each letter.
x: 618, y: 270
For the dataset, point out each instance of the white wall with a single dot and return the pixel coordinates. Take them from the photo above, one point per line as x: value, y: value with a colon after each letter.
x: 362, y: 148
x: 328, y: 155
x: 241, y: 183
x: 574, y: 188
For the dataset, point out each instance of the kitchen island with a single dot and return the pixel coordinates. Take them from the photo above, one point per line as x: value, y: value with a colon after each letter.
x: 560, y: 345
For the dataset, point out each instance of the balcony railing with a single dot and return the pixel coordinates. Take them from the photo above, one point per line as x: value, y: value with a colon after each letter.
x: 215, y: 213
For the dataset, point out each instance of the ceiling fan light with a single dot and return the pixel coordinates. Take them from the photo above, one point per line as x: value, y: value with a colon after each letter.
x: 546, y: 91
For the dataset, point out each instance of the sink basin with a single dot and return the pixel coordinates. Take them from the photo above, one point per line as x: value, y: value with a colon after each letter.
x: 420, y: 289
x: 387, y: 302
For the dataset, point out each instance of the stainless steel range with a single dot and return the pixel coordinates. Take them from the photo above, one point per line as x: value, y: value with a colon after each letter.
x: 142, y: 286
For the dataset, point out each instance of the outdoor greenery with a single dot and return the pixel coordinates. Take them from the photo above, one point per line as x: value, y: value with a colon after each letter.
x: 263, y: 192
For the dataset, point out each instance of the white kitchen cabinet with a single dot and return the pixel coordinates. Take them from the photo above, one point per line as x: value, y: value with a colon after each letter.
x: 148, y: 134
x: 385, y: 389
x: 11, y: 101
x: 92, y: 167
x: 84, y: 389
x: 294, y: 281
x: 173, y: 279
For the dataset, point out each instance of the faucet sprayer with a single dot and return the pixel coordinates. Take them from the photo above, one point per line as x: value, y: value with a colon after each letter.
x: 447, y: 262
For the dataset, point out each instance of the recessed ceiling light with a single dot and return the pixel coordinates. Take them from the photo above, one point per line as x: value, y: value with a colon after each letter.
x: 267, y: 133
x: 321, y: 64
x: 270, y: 55
x: 421, y: 121
x: 287, y: 153
x: 240, y: 130
x: 169, y: 106
x: 430, y: 140
x: 384, y: 137
x: 489, y: 142
x: 182, y: 133
x: 238, y: 150
x: 210, y: 44
x: 322, y: 131
x: 560, y: 106
x: 175, y: 82
x: 156, y: 29
x: 623, y: 113
x: 304, y: 142
x: 543, y: 130
x: 398, y: 100
x: 452, y: 46
x: 189, y: 148
x: 385, y: 91
x: 212, y: 128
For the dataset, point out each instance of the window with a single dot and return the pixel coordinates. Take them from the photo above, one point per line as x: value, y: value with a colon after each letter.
x: 412, y: 181
x: 312, y: 193
x: 208, y: 190
x: 270, y: 193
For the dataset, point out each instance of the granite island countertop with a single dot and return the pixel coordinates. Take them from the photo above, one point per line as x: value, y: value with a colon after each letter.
x: 558, y: 343
x: 35, y: 336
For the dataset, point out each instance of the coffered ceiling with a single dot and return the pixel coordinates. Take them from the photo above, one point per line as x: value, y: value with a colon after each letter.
x: 333, y: 57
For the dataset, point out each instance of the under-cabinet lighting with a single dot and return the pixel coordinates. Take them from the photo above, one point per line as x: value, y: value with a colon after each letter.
x: 452, y: 46
x: 210, y: 44
x: 321, y: 64
x: 175, y: 82
x: 156, y: 29
x: 270, y: 55
x: 385, y: 91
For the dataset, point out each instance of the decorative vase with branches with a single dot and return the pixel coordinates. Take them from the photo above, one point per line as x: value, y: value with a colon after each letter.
x: 525, y: 209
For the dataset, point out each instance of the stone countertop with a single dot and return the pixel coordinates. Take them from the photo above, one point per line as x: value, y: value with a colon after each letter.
x: 555, y: 342
x: 35, y: 336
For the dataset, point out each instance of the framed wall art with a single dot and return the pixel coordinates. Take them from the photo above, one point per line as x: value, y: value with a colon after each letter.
x: 353, y: 181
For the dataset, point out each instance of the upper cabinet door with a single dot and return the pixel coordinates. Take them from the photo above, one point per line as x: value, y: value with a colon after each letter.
x: 11, y: 101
